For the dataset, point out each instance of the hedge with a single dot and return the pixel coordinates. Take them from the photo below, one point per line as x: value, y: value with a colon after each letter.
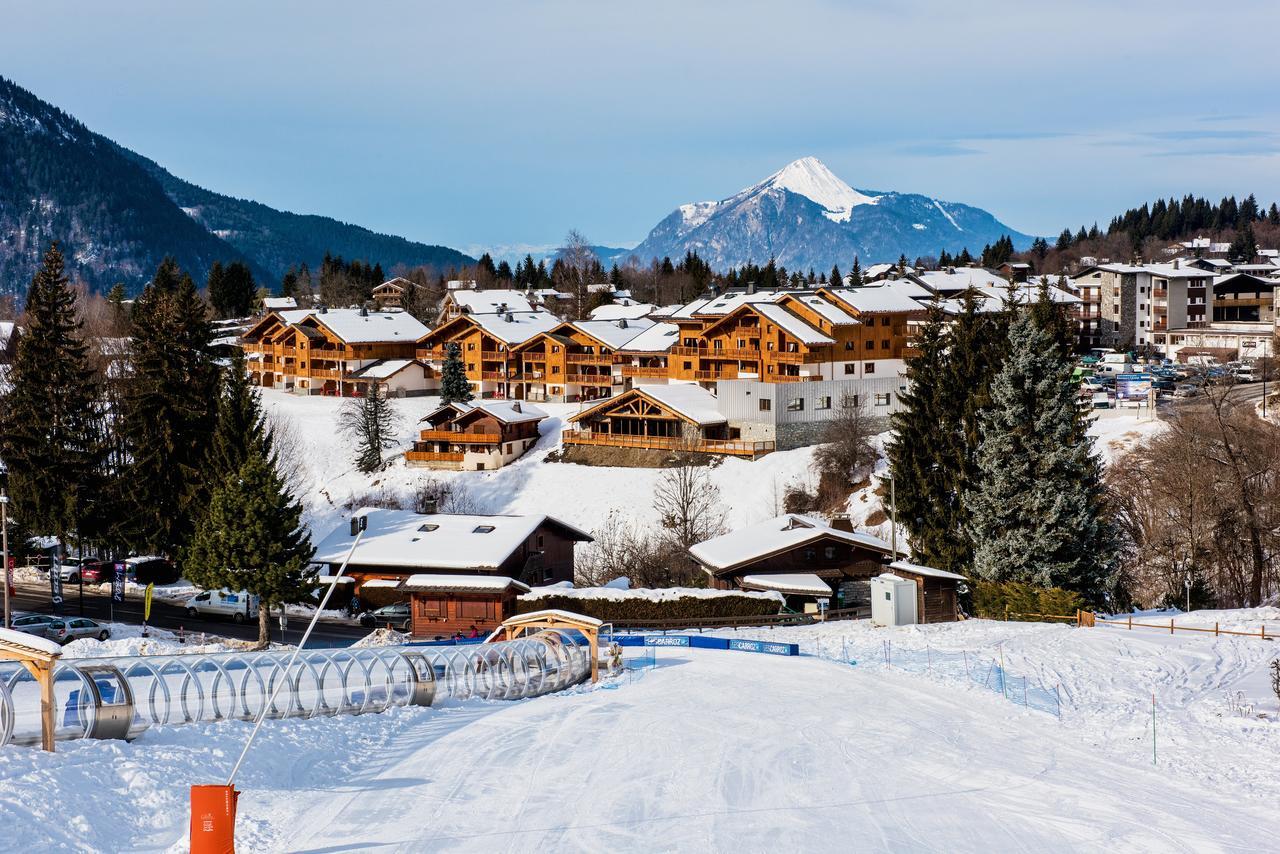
x: 993, y: 599
x: 638, y: 608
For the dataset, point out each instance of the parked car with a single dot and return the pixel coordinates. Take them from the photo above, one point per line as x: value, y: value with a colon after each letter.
x: 32, y: 624
x: 223, y: 603
x: 1249, y: 374
x: 64, y: 630
x: 397, y: 615
x: 150, y: 569
x: 70, y: 570
x: 1187, y: 389
x: 98, y: 571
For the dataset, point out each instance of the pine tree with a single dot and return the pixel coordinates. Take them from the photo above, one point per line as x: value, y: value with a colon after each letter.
x: 170, y: 405
x: 371, y: 420
x: 1245, y: 246
x: 454, y: 387
x: 1035, y: 510
x: 251, y: 538
x: 928, y: 503
x: 836, y: 279
x: 49, y: 439
x: 855, y: 273
x: 240, y: 425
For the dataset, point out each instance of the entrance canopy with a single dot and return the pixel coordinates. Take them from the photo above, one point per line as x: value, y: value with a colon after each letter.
x: 794, y: 583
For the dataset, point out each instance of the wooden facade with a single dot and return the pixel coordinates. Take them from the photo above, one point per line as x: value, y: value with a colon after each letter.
x: 439, y: 613
x: 564, y: 364
x: 846, y: 567
x: 640, y: 418
x: 487, y: 437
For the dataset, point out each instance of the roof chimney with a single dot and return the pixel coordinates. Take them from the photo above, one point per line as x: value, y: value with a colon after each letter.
x: 364, y: 311
x: 508, y: 318
x: 751, y: 287
x: 622, y: 323
x: 842, y: 522
x: 1175, y: 263
x: 324, y: 309
x: 429, y: 506
x: 515, y: 406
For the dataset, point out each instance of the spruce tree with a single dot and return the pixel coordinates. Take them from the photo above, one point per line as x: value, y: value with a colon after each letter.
x: 928, y: 503
x: 371, y: 420
x: 251, y: 538
x: 855, y: 274
x: 49, y: 438
x: 240, y: 423
x: 836, y: 279
x: 170, y: 405
x: 1035, y: 510
x: 454, y: 387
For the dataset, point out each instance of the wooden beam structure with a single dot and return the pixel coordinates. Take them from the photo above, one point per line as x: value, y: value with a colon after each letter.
x: 38, y: 656
x: 551, y: 620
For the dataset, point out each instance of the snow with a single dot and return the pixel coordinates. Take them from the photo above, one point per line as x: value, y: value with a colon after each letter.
x: 809, y: 177
x: 384, y: 369
x: 805, y: 583
x: 614, y: 333
x: 506, y: 411
x: 31, y: 642
x: 556, y: 613
x: 279, y: 303
x: 695, y: 214
x: 1115, y: 432
x: 516, y: 327
x: 616, y: 311
x: 920, y: 569
x: 945, y: 213
x: 884, y: 298
x: 428, y: 581
x: 773, y: 535
x: 792, y: 325
x: 711, y: 750
x: 491, y: 301
x: 828, y: 311
x: 610, y: 593
x: 656, y: 339
x: 355, y: 328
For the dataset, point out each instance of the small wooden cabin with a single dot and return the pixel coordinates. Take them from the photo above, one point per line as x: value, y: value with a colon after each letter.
x: 937, y: 591
x: 441, y: 605
x: 476, y: 436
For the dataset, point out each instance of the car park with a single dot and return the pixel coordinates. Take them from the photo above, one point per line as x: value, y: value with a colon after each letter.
x: 32, y: 624
x: 1187, y: 390
x: 396, y: 615
x: 64, y: 630
x: 223, y: 603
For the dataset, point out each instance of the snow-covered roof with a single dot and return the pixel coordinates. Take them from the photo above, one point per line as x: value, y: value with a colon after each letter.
x: 803, y: 583
x: 1028, y: 292
x: 507, y: 411
x: 353, y: 327
x: 725, y: 303
x: 29, y: 642
x: 656, y: 339
x: 1169, y: 271
x: 918, y: 569
x: 781, y: 533
x: 382, y: 582
x: 279, y: 303
x: 556, y: 613
x: 516, y: 327
x: 402, y: 538
x: 491, y: 301
x: 621, y: 310
x: 436, y: 581
x: 882, y: 298
x: 792, y: 324
x: 614, y: 333
x: 384, y: 369
x: 665, y: 310
x: 964, y: 277
x: 688, y: 399
x: 825, y: 309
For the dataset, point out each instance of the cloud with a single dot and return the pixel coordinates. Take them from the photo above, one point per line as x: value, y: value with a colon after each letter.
x: 939, y: 148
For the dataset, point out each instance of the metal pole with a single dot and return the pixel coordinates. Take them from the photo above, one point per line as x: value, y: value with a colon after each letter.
x: 893, y: 512
x: 4, y: 550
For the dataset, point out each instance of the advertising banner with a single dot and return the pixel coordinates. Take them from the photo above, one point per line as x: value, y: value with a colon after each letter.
x: 1133, y: 386
x: 117, y: 584
x: 55, y: 578
x: 666, y: 640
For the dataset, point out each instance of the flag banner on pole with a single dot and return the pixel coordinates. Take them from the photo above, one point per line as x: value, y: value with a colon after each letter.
x: 146, y: 602
x: 55, y: 576
x: 117, y: 584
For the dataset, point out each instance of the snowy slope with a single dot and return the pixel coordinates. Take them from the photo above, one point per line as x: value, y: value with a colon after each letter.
x: 724, y: 751
x: 809, y: 177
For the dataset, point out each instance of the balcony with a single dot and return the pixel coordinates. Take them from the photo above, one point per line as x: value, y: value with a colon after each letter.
x: 323, y: 374
x: 589, y: 358
x: 432, y: 457
x: 732, y: 447
x: 493, y: 375
x: 459, y: 437
x: 651, y: 373
x: 790, y: 378
x: 589, y: 379
x: 493, y: 355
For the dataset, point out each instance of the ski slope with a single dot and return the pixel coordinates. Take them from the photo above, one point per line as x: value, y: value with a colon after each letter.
x: 735, y: 752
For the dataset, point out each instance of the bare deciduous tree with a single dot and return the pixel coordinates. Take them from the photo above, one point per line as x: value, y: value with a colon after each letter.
x: 624, y: 550
x: 688, y: 501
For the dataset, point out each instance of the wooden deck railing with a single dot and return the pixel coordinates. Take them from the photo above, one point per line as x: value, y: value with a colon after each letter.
x: 460, y: 437
x: 589, y: 379
x: 735, y: 447
x: 432, y: 457
x: 639, y: 371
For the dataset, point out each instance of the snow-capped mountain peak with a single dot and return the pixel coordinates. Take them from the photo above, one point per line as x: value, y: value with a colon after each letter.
x: 809, y: 177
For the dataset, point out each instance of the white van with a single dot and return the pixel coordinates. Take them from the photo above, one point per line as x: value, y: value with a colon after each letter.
x: 223, y: 603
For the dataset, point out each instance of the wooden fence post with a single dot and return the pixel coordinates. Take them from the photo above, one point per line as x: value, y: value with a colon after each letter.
x: 1131, y: 622
x: 1171, y: 627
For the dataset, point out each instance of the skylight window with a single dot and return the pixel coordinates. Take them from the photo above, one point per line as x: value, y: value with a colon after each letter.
x: 483, y: 529
x: 428, y: 527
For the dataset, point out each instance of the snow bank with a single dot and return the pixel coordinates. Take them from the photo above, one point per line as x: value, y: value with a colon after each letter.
x: 127, y: 639
x: 663, y: 594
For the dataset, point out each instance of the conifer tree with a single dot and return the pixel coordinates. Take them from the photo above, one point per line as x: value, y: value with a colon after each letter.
x: 251, y: 538
x: 240, y: 424
x: 836, y: 279
x: 855, y: 274
x: 48, y: 419
x: 371, y: 420
x: 170, y: 405
x: 1035, y: 509
x: 454, y: 387
x: 927, y: 498
x: 1245, y: 246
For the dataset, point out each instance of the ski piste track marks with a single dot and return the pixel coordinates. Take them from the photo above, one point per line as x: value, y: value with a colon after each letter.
x: 664, y: 764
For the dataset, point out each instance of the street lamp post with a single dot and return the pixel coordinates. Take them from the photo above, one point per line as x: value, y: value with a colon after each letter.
x: 4, y: 551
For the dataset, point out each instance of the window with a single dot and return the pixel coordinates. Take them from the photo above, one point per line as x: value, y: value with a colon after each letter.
x: 472, y: 609
x: 829, y: 552
x: 471, y: 366
x: 869, y: 368
x: 555, y: 348
x: 482, y: 529
x: 555, y: 369
x: 871, y: 345
x: 428, y: 528
x: 508, y: 447
x: 848, y: 345
x: 429, y: 608
x: 795, y: 404
x: 688, y: 366
x: 884, y: 321
x: 471, y: 345
x: 850, y: 368
x: 540, y: 539
x: 884, y: 344
x: 822, y: 403
x: 742, y: 343
x: 766, y: 405
x: 883, y: 399
x: 809, y: 554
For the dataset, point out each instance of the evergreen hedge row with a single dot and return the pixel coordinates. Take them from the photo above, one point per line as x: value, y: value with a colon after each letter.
x: 992, y: 599
x: 636, y: 608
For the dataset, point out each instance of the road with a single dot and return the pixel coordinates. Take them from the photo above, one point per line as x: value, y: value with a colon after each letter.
x: 166, y: 615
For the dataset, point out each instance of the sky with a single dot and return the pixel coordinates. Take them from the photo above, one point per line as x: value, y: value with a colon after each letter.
x: 492, y: 123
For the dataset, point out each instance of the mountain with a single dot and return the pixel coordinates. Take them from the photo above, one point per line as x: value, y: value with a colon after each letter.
x: 804, y: 216
x: 514, y: 253
x: 118, y: 214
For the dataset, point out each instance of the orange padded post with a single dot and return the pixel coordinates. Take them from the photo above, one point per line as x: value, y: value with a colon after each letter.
x: 213, y: 819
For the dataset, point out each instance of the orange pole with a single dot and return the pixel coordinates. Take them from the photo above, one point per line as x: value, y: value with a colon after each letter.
x: 213, y: 819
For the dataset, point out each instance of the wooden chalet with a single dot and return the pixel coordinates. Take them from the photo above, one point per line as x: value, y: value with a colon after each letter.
x: 391, y: 293
x: 476, y: 437
x: 757, y: 340
x: 661, y: 417
x: 486, y: 343
x: 573, y: 362
x: 461, y: 301
x: 322, y: 351
x: 801, y: 557
x: 456, y: 570
x: 646, y: 358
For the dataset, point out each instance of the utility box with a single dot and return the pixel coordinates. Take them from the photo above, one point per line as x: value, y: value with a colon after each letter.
x: 893, y: 601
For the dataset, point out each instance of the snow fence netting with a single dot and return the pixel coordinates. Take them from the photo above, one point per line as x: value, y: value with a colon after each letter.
x: 121, y: 697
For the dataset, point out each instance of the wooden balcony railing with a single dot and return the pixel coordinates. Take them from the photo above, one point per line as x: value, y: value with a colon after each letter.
x: 460, y: 437
x: 493, y: 375
x: 639, y: 371
x: 790, y: 378
x: 735, y: 447
x: 589, y: 379
x: 432, y: 457
x: 323, y: 374
x: 589, y: 358
x: 493, y: 355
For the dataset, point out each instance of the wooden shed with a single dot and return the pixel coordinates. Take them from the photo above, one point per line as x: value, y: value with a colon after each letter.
x: 937, y: 595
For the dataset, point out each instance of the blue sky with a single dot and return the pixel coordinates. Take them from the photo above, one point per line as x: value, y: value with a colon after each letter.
x: 490, y: 123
